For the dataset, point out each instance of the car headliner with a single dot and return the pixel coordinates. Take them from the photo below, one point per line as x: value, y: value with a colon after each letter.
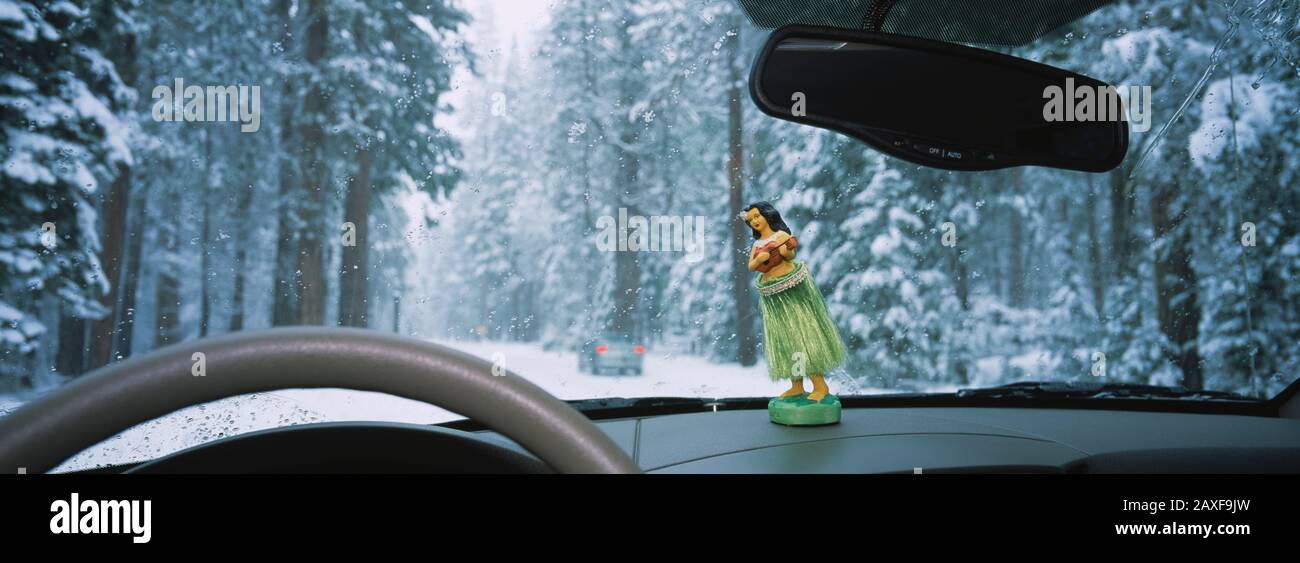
x: 1003, y: 23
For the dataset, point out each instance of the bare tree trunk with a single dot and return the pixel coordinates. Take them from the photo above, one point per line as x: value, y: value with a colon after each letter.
x: 1121, y: 215
x: 129, y: 281
x: 284, y: 309
x: 746, y: 344
x: 588, y: 221
x: 957, y: 263
x: 961, y: 277
x: 353, y: 286
x: 1016, y: 255
x: 205, y: 251
x: 397, y: 313
x: 1016, y: 259
x: 1177, y: 308
x: 168, y: 318
x: 241, y: 257
x: 313, y: 169
x: 627, y: 264
x: 167, y: 288
x: 1098, y: 277
x: 961, y: 285
x: 71, y: 359
x: 112, y: 213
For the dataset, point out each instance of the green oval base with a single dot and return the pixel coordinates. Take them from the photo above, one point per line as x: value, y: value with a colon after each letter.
x: 799, y: 411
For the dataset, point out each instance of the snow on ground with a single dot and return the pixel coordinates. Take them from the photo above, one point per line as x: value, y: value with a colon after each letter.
x: 666, y: 375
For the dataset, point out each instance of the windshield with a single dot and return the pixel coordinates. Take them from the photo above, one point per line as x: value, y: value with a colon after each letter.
x: 564, y: 188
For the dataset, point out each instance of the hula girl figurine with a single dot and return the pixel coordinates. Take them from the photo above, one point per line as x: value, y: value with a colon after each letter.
x: 798, y: 334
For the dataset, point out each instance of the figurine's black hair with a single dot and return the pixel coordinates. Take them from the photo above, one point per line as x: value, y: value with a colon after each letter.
x: 770, y: 213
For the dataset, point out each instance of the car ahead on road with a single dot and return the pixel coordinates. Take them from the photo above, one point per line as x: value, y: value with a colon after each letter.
x: 611, y: 354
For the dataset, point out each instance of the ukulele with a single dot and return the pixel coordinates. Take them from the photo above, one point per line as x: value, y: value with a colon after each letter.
x: 774, y: 254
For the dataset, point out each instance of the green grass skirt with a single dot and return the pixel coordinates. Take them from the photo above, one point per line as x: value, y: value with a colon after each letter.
x: 798, y: 334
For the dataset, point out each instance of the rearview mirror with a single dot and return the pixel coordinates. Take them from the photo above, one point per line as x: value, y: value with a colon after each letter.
x: 939, y: 104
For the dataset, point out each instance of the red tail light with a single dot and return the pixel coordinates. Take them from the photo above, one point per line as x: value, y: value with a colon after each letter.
x: 601, y: 349
x: 639, y: 349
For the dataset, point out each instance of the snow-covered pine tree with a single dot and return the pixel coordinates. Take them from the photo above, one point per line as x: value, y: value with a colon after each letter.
x: 62, y: 144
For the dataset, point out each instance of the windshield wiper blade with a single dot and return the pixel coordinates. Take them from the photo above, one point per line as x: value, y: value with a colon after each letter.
x: 615, y: 403
x: 1088, y: 390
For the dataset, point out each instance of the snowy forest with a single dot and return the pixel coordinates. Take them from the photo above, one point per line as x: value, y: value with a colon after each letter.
x: 419, y: 169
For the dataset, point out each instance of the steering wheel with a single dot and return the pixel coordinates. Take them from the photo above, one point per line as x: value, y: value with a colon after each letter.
x: 42, y: 434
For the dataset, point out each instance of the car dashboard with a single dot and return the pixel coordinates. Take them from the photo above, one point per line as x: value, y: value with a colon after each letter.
x: 959, y: 440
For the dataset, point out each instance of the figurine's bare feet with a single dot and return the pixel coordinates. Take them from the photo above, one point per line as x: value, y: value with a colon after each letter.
x: 796, y: 388
x: 820, y: 390
x: 791, y: 393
